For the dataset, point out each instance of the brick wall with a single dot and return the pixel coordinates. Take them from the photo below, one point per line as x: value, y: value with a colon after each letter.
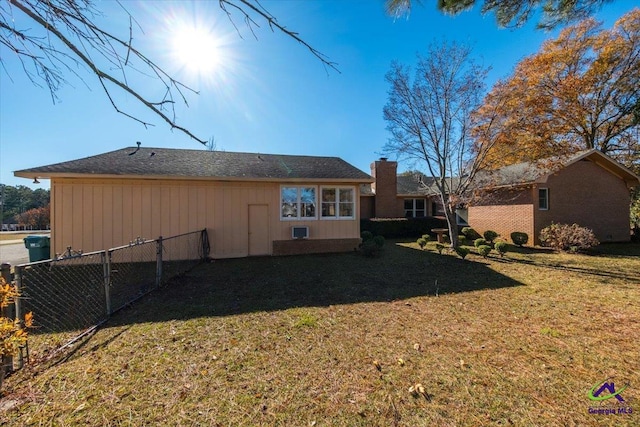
x: 310, y: 246
x: 582, y: 193
x: 367, y: 205
x: 587, y: 194
x: 503, y: 219
x: 385, y: 188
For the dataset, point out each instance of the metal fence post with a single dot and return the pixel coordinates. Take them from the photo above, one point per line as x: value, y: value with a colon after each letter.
x: 158, y: 262
x: 5, y: 269
x: 19, y: 315
x: 106, y: 269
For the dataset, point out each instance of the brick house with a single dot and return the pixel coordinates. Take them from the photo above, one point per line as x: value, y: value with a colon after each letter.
x: 396, y: 196
x: 251, y: 204
x: 407, y: 195
x: 589, y: 189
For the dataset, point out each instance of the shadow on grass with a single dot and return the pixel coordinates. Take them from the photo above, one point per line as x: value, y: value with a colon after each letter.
x: 561, y: 267
x: 236, y: 286
x: 606, y: 250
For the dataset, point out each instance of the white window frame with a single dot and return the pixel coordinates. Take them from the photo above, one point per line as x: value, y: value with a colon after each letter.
x: 413, y: 209
x: 337, y: 217
x: 298, y: 217
x: 546, y: 199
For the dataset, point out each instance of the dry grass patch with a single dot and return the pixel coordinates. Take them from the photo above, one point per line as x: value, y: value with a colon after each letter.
x: 316, y: 340
x: 20, y: 236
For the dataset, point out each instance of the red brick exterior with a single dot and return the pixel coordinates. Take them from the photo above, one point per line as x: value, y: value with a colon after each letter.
x: 582, y: 193
x: 503, y: 219
x: 588, y: 195
x: 310, y: 246
x: 385, y: 188
x: 367, y: 207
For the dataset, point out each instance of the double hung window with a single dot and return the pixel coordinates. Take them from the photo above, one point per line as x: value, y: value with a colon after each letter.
x: 338, y: 202
x: 415, y: 208
x: 297, y: 202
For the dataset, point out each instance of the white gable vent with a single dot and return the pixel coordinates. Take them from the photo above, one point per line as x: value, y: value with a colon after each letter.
x: 300, y: 232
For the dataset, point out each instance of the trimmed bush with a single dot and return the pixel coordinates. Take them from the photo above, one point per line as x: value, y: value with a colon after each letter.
x: 462, y: 239
x: 479, y: 242
x: 371, y: 245
x: 366, y: 235
x: 369, y: 248
x: 568, y: 238
x: 426, y: 237
x: 484, y: 250
x: 490, y: 236
x: 379, y: 240
x: 519, y: 238
x: 439, y: 248
x: 462, y: 251
x: 421, y: 242
x: 501, y: 247
x: 470, y: 233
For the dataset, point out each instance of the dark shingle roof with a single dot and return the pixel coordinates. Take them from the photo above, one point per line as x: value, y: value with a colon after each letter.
x: 177, y: 163
x: 516, y: 174
x: 414, y: 184
x: 531, y: 172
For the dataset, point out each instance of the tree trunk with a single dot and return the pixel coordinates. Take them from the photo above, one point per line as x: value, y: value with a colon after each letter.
x: 450, y: 214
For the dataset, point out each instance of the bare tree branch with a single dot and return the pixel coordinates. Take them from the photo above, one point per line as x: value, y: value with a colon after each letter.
x: 255, y: 7
x: 68, y: 38
x: 430, y: 120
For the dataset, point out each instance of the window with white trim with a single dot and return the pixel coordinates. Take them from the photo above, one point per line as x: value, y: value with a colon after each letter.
x: 543, y: 199
x: 297, y: 202
x: 338, y: 203
x: 415, y: 208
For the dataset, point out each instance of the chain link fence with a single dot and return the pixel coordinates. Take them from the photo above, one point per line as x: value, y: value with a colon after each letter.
x: 74, y: 293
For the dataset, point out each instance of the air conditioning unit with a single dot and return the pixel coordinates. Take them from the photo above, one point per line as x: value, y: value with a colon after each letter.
x: 300, y: 232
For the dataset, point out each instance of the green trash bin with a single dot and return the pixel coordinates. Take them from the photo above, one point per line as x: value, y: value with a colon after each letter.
x: 39, y: 247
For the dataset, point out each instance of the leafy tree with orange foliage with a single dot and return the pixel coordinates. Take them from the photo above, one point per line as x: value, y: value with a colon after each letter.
x: 13, y: 336
x: 37, y: 218
x: 581, y: 91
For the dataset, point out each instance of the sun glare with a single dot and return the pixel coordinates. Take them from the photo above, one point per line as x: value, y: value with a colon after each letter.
x: 197, y: 49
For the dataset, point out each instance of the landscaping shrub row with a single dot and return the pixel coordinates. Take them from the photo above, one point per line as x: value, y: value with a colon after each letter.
x: 392, y: 228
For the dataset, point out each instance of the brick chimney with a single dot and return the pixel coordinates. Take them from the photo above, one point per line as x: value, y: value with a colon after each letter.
x: 385, y: 188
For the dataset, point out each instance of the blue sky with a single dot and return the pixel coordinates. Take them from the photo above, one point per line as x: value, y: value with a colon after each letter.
x: 268, y: 95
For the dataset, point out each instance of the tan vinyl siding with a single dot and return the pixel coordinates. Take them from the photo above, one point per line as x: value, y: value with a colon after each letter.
x: 95, y: 214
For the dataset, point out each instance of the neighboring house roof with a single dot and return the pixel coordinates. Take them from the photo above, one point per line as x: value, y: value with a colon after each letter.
x: 520, y: 174
x: 202, y: 164
x: 406, y: 185
x: 538, y: 172
x: 414, y: 185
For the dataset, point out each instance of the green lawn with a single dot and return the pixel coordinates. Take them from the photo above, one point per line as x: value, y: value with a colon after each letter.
x: 317, y: 340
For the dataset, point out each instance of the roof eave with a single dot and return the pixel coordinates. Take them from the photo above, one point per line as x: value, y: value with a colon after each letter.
x: 606, y: 162
x: 47, y: 175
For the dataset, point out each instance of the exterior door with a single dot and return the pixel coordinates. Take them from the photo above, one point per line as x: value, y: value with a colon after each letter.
x: 259, y: 243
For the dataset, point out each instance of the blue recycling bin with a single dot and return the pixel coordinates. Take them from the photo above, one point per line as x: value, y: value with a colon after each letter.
x: 39, y: 247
